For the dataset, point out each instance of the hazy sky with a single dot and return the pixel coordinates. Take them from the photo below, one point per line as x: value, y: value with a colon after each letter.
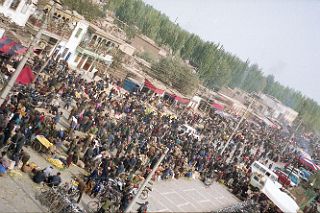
x: 281, y: 36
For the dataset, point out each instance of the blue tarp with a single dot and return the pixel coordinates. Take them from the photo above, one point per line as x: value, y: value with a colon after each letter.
x: 130, y: 85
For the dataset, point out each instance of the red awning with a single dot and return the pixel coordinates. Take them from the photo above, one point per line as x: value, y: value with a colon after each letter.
x: 180, y: 99
x: 150, y: 86
x: 26, y: 76
x: 217, y: 106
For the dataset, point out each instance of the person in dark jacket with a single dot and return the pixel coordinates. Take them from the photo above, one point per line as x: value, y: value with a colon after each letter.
x: 54, y: 180
x: 39, y: 177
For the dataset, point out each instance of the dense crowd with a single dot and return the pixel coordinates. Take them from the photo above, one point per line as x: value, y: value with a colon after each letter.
x: 123, y: 135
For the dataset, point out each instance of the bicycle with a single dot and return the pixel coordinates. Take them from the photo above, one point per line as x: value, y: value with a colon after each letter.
x: 47, y: 195
x: 145, y: 192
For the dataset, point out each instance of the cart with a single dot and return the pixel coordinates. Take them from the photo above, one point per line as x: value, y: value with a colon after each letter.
x: 42, y: 144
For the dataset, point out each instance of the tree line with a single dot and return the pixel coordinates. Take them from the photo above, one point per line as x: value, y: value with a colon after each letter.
x: 215, y: 66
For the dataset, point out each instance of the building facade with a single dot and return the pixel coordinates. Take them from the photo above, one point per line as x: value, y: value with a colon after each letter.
x: 18, y: 11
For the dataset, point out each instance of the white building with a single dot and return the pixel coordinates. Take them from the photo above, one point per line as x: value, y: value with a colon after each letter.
x: 89, y: 45
x: 18, y: 11
x: 277, y: 110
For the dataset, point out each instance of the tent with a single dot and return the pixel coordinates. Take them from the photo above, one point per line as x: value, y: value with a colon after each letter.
x: 281, y: 199
x: 26, y: 76
x: 9, y: 47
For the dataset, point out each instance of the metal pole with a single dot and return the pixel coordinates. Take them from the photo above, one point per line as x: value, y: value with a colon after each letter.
x: 237, y: 127
x: 292, y: 135
x: 134, y: 200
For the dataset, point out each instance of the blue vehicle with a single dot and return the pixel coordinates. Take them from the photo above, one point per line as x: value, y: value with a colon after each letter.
x: 294, y: 179
x: 306, y: 174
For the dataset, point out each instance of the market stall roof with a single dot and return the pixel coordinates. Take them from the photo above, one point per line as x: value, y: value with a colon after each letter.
x: 279, y: 198
x: 10, y: 47
x: 150, y: 86
x: 180, y: 99
x: 217, y: 106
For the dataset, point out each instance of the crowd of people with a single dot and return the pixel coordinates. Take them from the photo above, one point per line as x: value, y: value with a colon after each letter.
x: 123, y: 135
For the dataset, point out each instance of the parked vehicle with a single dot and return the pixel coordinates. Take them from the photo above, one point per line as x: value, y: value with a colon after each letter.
x: 260, y: 173
x: 305, y: 172
x: 295, y: 180
x: 297, y: 172
x: 283, y: 178
x: 308, y: 164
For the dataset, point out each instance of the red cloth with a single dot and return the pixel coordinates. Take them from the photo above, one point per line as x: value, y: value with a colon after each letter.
x: 217, y: 106
x: 150, y: 86
x: 21, y: 51
x: 182, y: 100
x: 26, y: 76
x: 3, y: 39
x: 6, y: 48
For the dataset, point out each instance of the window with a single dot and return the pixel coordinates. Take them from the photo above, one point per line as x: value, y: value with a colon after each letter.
x: 78, y: 57
x: 15, y: 3
x: 64, y: 52
x: 78, y: 32
x: 24, y: 9
x: 88, y: 63
x: 68, y: 56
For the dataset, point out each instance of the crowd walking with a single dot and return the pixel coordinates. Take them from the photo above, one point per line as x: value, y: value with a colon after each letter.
x: 123, y: 136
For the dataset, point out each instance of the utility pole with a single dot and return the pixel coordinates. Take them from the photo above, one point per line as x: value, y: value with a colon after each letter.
x: 6, y: 90
x: 237, y: 127
x: 136, y: 197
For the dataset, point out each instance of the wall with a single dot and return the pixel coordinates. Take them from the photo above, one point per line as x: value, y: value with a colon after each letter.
x: 142, y: 45
x: 127, y: 49
x: 21, y: 15
x: 74, y: 42
x: 2, y: 31
x: 195, y: 102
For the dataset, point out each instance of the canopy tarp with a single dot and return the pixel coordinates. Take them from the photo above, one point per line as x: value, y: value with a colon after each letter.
x: 9, y: 47
x: 281, y: 199
x: 180, y: 99
x: 217, y: 106
x: 44, y: 141
x: 26, y: 76
x: 150, y: 86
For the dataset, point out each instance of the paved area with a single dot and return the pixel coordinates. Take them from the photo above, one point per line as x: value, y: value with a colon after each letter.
x: 18, y: 193
x: 186, y: 195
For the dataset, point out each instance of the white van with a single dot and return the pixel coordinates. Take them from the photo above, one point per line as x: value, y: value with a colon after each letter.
x: 260, y: 173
